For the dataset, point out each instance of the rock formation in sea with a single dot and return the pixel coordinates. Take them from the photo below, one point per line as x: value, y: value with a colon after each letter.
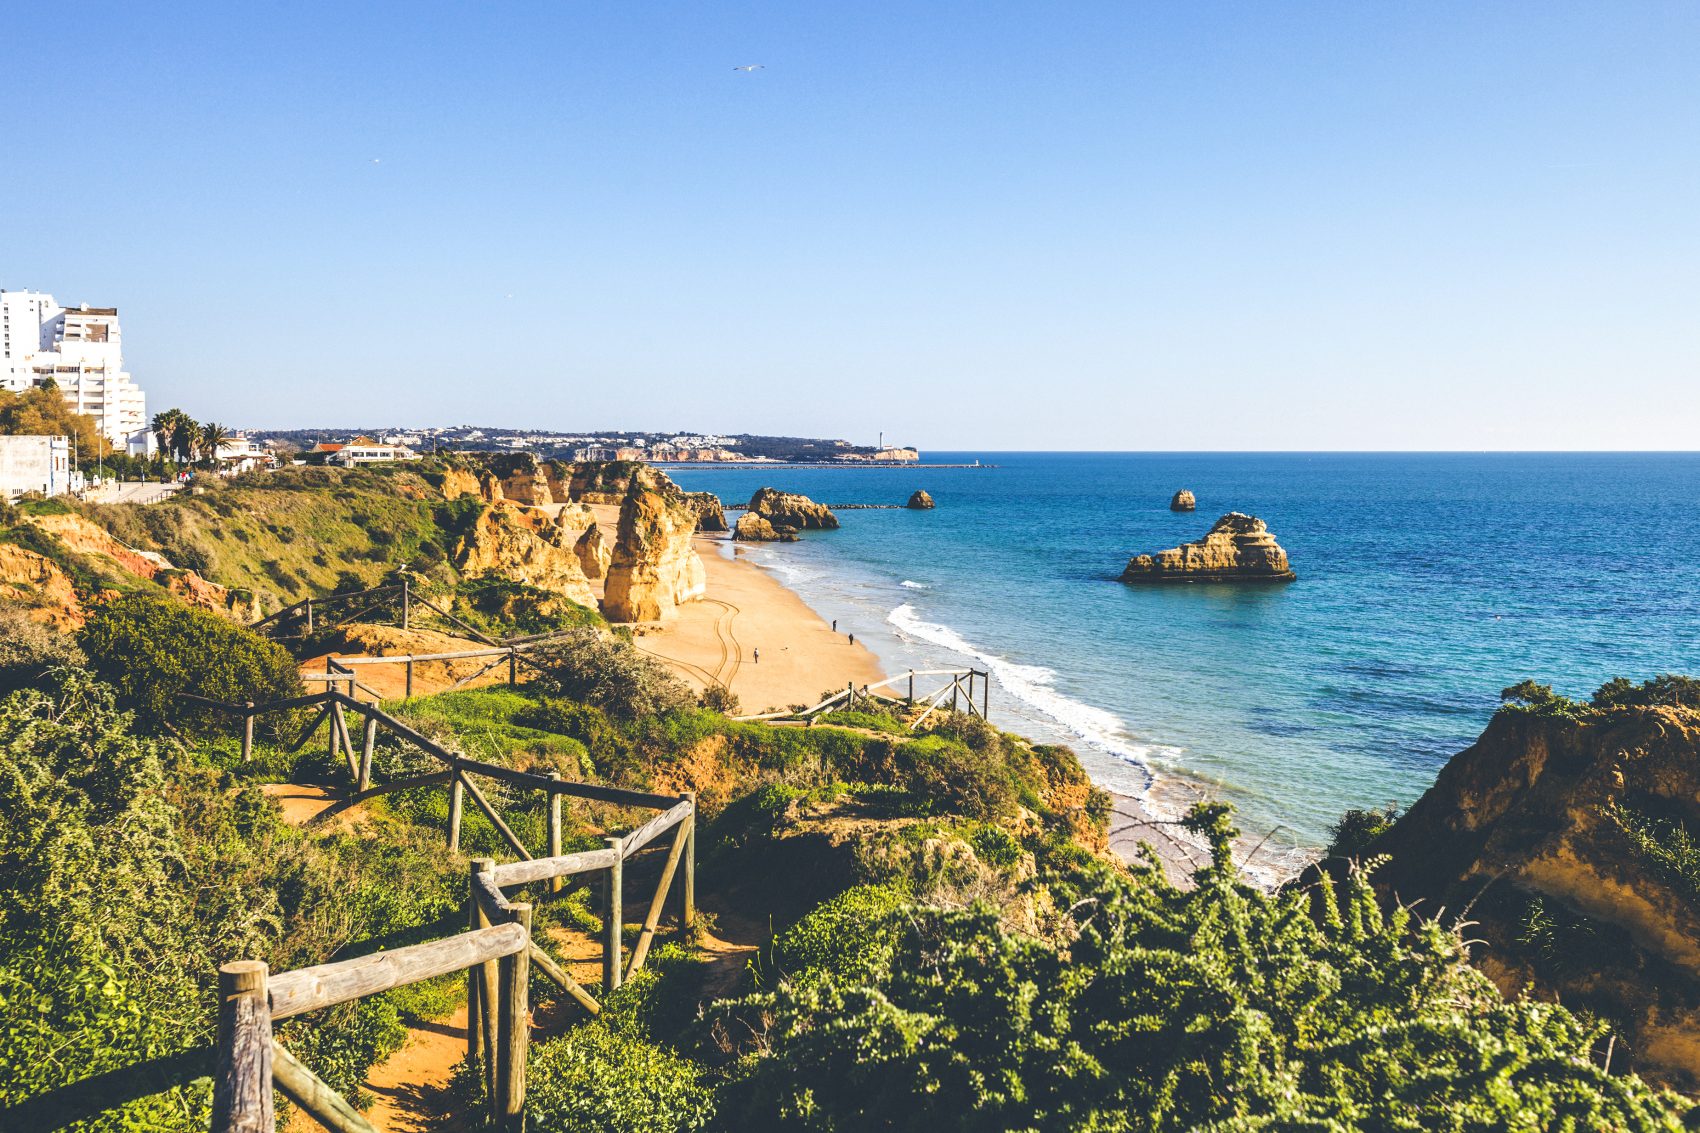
x: 920, y: 501
x: 753, y: 528
x: 1565, y: 839
x: 523, y: 544
x: 654, y: 567
x: 1239, y: 548
x: 1183, y: 500
x: 592, y: 552
x: 787, y: 509
x: 711, y: 516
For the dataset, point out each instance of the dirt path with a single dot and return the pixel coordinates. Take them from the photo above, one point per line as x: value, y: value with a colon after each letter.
x: 411, y: 1086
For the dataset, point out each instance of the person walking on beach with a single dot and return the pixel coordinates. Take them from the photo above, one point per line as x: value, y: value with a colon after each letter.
x: 852, y: 639
x: 756, y: 654
x: 834, y: 625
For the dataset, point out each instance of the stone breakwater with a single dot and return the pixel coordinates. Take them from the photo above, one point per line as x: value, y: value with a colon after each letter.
x: 1239, y: 548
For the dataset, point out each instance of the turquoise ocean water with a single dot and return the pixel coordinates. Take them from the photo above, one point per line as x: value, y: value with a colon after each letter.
x: 1426, y: 584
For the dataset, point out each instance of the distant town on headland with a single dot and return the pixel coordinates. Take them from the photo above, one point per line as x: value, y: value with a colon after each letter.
x: 653, y: 447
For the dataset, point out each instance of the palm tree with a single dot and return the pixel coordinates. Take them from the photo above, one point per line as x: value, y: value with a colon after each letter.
x: 185, y: 437
x: 163, y: 425
x: 212, y: 436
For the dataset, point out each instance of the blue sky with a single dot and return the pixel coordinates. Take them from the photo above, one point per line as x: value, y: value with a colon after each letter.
x: 998, y: 225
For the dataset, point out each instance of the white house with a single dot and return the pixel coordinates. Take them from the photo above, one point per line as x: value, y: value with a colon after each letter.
x: 37, y: 464
x: 364, y: 450
x: 80, y: 349
x: 239, y: 454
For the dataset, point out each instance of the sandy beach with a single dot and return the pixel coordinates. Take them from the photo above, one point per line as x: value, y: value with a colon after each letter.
x: 745, y: 610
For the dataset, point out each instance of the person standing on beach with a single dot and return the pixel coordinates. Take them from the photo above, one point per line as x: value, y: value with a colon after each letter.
x: 756, y: 654
x: 852, y: 639
x: 834, y: 625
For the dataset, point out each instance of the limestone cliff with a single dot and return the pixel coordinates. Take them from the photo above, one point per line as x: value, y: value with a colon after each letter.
x: 1183, y: 500
x: 753, y: 528
x: 1239, y: 548
x: 1569, y: 842
x: 523, y: 544
x: 711, y: 516
x: 653, y: 567
x: 787, y: 509
x: 920, y: 501
x: 592, y: 552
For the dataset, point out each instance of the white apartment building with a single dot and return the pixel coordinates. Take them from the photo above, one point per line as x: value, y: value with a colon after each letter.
x: 37, y: 464
x: 81, y: 350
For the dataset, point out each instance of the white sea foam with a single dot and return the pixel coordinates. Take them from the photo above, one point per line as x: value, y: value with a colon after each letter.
x: 910, y: 584
x: 1032, y: 685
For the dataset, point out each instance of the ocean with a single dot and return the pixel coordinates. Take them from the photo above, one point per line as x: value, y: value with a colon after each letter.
x: 1426, y: 584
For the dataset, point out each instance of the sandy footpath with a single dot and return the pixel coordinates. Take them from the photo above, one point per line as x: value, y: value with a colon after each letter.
x: 746, y: 610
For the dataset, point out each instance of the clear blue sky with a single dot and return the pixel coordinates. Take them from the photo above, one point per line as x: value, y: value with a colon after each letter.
x: 1001, y: 225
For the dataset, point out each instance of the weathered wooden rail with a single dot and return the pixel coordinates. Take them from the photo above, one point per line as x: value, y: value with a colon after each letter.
x: 497, y: 950
x: 959, y: 688
x: 327, y: 611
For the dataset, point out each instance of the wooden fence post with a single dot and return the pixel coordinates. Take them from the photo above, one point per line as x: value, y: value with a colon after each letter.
x: 406, y: 602
x: 612, y: 916
x: 911, y: 686
x: 248, y: 731
x: 242, y: 1082
x: 408, y: 695
x: 309, y: 617
x: 457, y: 798
x: 475, y: 920
x: 368, y: 740
x: 689, y: 919
x: 985, y: 693
x: 484, y: 976
x: 555, y: 883
x: 513, y: 668
x: 515, y: 1030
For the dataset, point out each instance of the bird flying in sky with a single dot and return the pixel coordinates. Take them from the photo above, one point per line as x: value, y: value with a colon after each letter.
x: 751, y: 67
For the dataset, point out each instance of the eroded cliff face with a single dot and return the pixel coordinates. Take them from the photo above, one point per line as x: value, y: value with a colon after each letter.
x: 789, y: 510
x: 653, y: 567
x: 38, y: 583
x: 524, y: 544
x: 1238, y: 548
x: 82, y: 537
x: 1565, y: 841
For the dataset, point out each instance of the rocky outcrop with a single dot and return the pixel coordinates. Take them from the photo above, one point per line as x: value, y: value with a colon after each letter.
x: 787, y: 509
x: 653, y: 567
x: 592, y: 552
x: 526, y: 545
x: 37, y: 582
x: 1560, y: 837
x: 80, y: 536
x: 920, y: 501
x: 753, y: 528
x: 1239, y: 548
x: 1183, y: 500
x: 711, y: 516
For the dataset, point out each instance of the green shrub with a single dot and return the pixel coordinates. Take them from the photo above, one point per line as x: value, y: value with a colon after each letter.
x: 1358, y: 828
x: 1540, y: 700
x: 1214, y: 1007
x: 29, y: 649
x: 1666, y: 690
x: 606, y: 672
x: 153, y: 648
x: 595, y: 1079
x: 848, y: 937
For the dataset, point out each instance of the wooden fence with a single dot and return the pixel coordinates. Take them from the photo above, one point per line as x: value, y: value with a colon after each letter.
x: 497, y: 951
x: 959, y: 688
x: 326, y: 611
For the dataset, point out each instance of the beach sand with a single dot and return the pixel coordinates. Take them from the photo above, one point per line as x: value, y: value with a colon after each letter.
x: 745, y: 609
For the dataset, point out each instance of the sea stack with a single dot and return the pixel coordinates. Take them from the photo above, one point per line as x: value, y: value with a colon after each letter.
x: 787, y: 509
x: 1183, y: 500
x: 1238, y: 548
x: 920, y: 501
x: 753, y: 528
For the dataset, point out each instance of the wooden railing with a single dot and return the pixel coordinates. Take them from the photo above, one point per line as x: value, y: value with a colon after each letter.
x: 959, y: 688
x: 326, y: 611
x: 497, y: 950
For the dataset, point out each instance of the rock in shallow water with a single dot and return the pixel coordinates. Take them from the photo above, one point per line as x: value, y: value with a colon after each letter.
x: 787, y: 509
x: 920, y: 501
x: 1183, y: 500
x: 1238, y: 548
